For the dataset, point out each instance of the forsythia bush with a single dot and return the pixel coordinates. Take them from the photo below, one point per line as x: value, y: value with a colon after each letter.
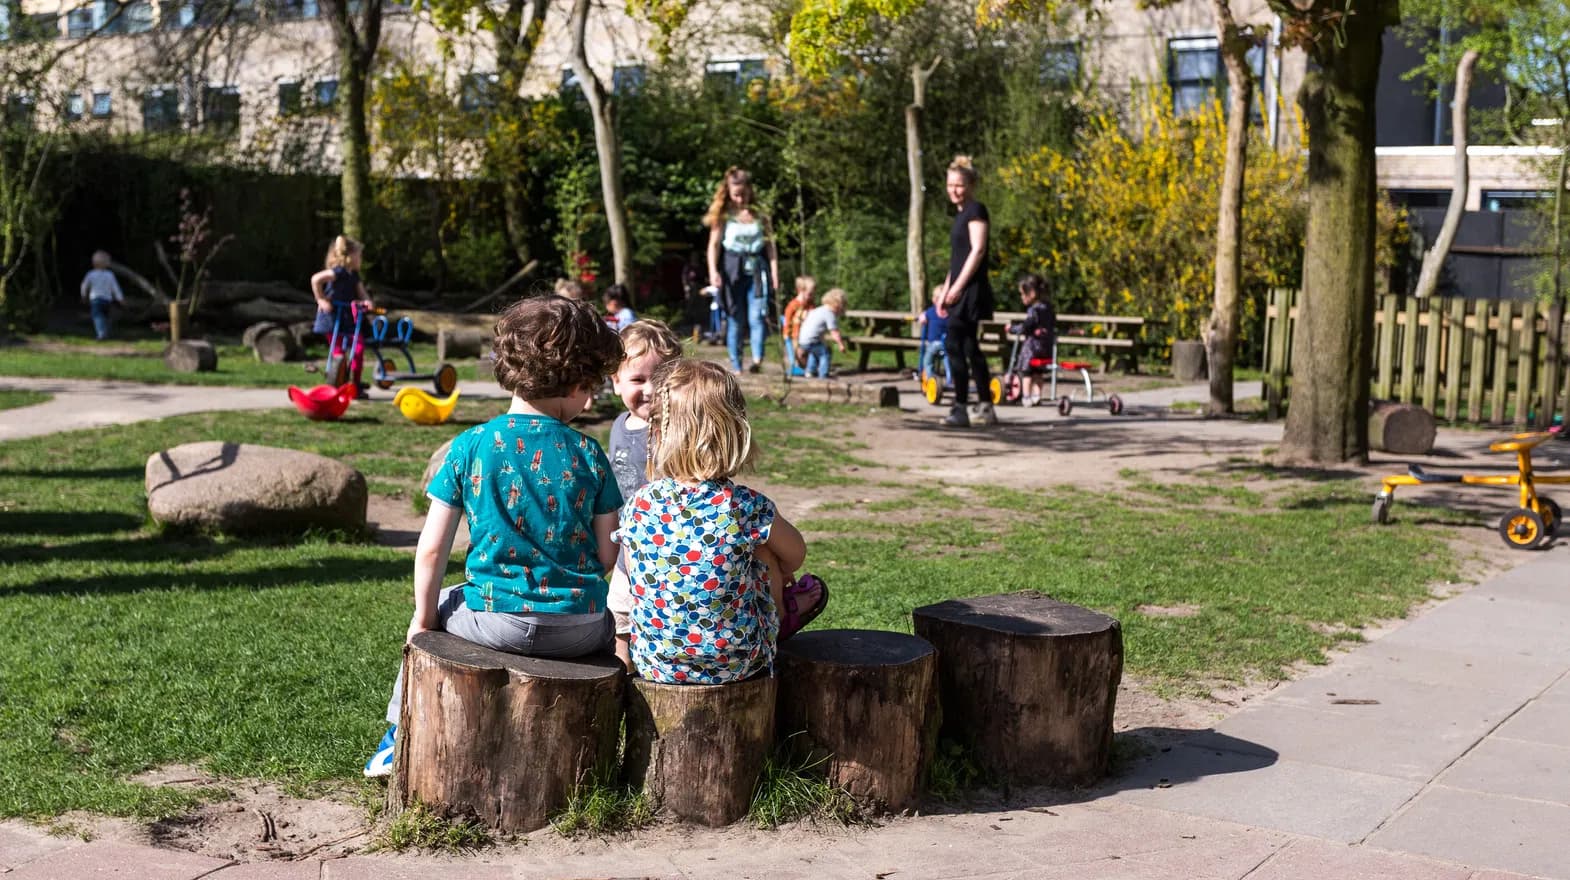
x: 1126, y: 223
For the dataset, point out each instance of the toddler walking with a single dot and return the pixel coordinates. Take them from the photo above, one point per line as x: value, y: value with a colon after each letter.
x: 539, y: 498
x: 796, y: 312
x: 710, y: 561
x: 822, y: 322
x: 100, y: 290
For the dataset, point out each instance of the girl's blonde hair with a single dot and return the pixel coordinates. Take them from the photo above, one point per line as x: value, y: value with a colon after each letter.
x: 342, y: 248
x: 698, y: 428
x: 721, y: 204
x: 805, y: 284
x: 964, y: 167
x: 834, y: 299
x: 642, y: 337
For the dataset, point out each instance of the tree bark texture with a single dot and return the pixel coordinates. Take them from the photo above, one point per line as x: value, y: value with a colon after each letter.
x: 864, y: 703
x: 1333, y: 345
x: 501, y: 737
x: 516, y: 31
x: 1403, y: 428
x: 606, y: 146
x: 248, y: 338
x: 275, y: 345
x: 915, y: 247
x: 1188, y: 362
x: 1434, y: 260
x: 1221, y: 331
x: 191, y: 356
x: 357, y: 32
x: 1029, y: 683
x: 1556, y: 309
x: 698, y: 750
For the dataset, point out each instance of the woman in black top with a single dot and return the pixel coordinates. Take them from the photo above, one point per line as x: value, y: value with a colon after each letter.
x: 967, y: 296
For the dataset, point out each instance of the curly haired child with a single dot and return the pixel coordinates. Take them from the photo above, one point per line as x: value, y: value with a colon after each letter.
x: 540, y: 500
x: 710, y: 560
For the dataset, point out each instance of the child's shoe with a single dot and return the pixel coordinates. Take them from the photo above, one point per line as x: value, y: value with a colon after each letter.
x: 804, y: 601
x: 381, y: 762
x: 985, y: 414
x: 957, y: 418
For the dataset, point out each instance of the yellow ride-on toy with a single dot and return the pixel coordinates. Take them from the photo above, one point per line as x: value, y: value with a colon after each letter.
x: 1525, y: 527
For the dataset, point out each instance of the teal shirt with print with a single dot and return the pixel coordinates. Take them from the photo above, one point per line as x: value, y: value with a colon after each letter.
x: 529, y: 487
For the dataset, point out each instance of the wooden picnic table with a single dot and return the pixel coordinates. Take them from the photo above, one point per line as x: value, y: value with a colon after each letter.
x: 878, y: 330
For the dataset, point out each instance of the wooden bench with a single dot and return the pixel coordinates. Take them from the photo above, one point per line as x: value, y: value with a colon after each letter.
x: 1122, y: 333
x: 892, y: 331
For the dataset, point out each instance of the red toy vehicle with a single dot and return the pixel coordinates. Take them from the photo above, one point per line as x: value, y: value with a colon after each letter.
x: 324, y: 403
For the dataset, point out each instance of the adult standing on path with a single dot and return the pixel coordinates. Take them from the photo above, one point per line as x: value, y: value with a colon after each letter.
x: 966, y: 297
x: 743, y: 264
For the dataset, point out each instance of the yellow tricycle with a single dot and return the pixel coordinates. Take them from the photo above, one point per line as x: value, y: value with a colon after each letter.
x: 1526, y: 527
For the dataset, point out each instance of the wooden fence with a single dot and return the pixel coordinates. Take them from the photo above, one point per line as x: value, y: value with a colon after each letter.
x: 1465, y: 360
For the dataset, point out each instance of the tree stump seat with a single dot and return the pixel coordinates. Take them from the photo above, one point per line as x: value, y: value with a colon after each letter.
x: 865, y: 703
x: 191, y: 356
x: 501, y: 737
x: 1029, y: 683
x: 699, y: 749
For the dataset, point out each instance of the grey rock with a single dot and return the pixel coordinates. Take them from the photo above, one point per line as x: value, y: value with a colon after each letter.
x: 239, y: 488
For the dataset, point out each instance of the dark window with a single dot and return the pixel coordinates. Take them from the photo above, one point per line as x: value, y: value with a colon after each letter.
x: 297, y: 8
x: 739, y: 74
x: 137, y: 17
x: 326, y: 92
x: 569, y: 81
x: 1497, y: 200
x: 1060, y: 65
x: 1193, y: 72
x: 221, y: 110
x: 476, y: 92
x: 160, y: 110
x: 1421, y: 198
x: 19, y: 110
x: 291, y: 98
x: 42, y: 26
x: 102, y: 105
x: 627, y: 79
x: 74, y: 107
x: 79, y: 23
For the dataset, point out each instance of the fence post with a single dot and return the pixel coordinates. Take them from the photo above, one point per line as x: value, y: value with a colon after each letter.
x: 1279, y: 348
x: 1455, y: 350
x: 1386, y: 353
x: 1435, y: 327
x: 1503, y: 333
x: 1479, y: 361
x: 1526, y: 363
x: 1408, y: 392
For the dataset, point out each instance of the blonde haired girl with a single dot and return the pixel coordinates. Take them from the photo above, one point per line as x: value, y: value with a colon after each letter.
x: 740, y: 238
x: 338, y: 291
x: 709, y: 560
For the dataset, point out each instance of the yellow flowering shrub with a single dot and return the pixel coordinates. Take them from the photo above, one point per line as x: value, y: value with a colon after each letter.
x: 1126, y: 223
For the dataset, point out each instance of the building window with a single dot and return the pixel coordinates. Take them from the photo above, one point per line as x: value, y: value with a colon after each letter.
x: 137, y: 17
x: 221, y: 110
x: 19, y: 109
x: 291, y: 98
x: 297, y: 8
x: 40, y: 26
x: 74, y: 107
x: 1060, y: 65
x: 739, y: 73
x: 79, y: 23
x: 1497, y: 200
x: 476, y: 92
x: 326, y: 92
x: 1420, y: 198
x: 160, y: 110
x: 627, y: 79
x: 569, y: 81
x: 1193, y: 72
x: 102, y: 106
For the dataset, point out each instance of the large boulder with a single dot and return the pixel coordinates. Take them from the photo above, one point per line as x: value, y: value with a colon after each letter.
x: 238, y: 488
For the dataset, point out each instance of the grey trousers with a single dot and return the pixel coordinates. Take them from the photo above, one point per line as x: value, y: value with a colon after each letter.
x: 532, y: 635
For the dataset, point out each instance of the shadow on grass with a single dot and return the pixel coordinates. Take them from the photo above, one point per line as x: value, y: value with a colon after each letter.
x: 328, y: 570
x: 117, y: 473
x: 63, y: 523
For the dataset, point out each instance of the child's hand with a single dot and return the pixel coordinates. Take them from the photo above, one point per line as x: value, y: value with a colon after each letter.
x: 323, y: 305
x: 415, y: 628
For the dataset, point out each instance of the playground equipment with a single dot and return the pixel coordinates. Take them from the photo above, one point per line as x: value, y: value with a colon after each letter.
x: 346, y: 352
x: 1525, y: 527
x: 934, y: 383
x: 421, y: 408
x: 324, y: 403
x: 1014, y: 381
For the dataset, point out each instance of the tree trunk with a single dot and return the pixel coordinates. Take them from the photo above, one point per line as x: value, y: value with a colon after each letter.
x: 1328, y: 419
x: 698, y: 749
x: 606, y: 146
x: 1402, y: 428
x: 915, y: 258
x: 357, y: 30
x: 498, y: 736
x: 1221, y: 332
x: 1556, y: 310
x: 862, y: 704
x: 516, y: 36
x: 1434, y: 260
x: 1028, y: 683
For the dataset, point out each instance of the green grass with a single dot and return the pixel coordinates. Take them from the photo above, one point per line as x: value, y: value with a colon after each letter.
x: 420, y: 828
x: 129, y: 648
x: 602, y: 805
x: 17, y: 399
x: 237, y: 366
x: 791, y: 789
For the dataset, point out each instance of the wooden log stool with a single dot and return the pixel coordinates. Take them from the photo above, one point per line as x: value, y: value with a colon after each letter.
x: 698, y: 749
x: 1029, y: 683
x: 864, y: 702
x: 501, y: 737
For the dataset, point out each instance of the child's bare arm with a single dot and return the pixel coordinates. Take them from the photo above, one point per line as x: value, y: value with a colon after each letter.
x: 319, y: 288
x: 430, y: 563
x: 605, y: 548
x: 838, y: 340
x: 787, y: 545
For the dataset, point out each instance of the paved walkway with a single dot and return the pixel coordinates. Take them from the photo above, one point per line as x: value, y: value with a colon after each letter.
x: 1438, y: 751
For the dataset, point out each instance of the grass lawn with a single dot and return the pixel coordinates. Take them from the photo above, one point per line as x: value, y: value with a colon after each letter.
x: 142, y: 361
x: 16, y: 399
x: 128, y: 648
